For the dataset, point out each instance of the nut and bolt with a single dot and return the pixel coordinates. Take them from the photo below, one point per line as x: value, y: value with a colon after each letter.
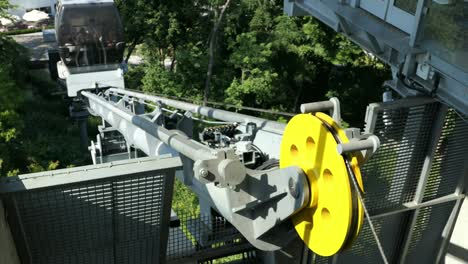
x: 293, y: 188
x: 204, y: 173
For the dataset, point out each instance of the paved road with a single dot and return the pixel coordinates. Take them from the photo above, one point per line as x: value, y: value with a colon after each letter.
x: 38, y: 48
x: 36, y: 45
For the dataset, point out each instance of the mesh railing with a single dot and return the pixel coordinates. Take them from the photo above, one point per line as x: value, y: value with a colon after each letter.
x: 391, y: 178
x: 425, y: 242
x: 119, y: 219
x: 390, y: 231
x: 248, y: 257
x: 116, y: 221
x: 450, y: 158
x: 206, y: 238
x: 110, y: 213
x: 392, y: 174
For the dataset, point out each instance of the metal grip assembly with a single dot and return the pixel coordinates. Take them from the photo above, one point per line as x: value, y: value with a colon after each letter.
x: 314, y: 185
x: 316, y: 143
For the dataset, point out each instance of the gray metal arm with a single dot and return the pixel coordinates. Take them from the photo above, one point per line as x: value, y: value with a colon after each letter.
x: 209, y: 112
x: 257, y: 203
x: 221, y: 166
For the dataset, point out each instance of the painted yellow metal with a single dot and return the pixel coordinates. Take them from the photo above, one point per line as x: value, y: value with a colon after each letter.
x: 326, y: 223
x: 356, y: 159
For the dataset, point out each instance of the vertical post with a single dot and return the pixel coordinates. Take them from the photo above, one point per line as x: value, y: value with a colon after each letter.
x: 7, y: 244
x: 425, y: 172
x: 372, y: 114
x: 114, y: 222
x: 161, y: 251
x: 448, y: 230
x: 418, y: 20
x: 307, y: 256
x: 83, y: 124
x: 17, y: 229
x: 355, y: 3
x: 129, y: 150
x: 52, y: 7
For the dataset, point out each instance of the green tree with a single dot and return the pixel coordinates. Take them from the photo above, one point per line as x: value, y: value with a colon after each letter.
x: 163, y: 26
x: 12, y: 80
x: 213, y: 47
x: 263, y: 58
x: 4, y: 5
x: 34, y: 130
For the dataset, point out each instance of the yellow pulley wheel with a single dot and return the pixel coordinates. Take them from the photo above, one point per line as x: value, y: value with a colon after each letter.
x: 333, y: 217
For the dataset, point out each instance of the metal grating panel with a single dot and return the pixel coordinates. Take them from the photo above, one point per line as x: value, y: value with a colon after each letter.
x: 63, y: 225
x: 409, y: 134
x: 321, y: 260
x: 138, y: 209
x: 108, y: 219
x: 206, y: 238
x: 248, y: 257
x: 391, y: 175
x: 450, y: 158
x: 426, y: 237
x: 365, y: 251
x: 117, y: 221
x: 389, y: 229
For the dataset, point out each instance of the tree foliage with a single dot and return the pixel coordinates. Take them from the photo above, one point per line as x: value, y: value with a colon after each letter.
x: 255, y: 57
x: 4, y: 5
x: 35, y: 131
x: 264, y: 59
x: 165, y: 25
x: 11, y: 97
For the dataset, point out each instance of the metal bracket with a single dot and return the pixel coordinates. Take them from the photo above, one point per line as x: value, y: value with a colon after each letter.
x: 367, y: 144
x: 332, y: 105
x: 222, y: 167
x: 96, y: 150
x: 263, y: 201
x: 223, y: 170
x: 371, y: 142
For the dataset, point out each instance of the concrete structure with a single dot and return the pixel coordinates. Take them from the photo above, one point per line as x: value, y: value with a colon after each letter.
x: 23, y: 6
x: 457, y: 252
x: 7, y: 245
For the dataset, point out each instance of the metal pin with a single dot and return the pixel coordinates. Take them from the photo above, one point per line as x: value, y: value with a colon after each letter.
x: 371, y: 143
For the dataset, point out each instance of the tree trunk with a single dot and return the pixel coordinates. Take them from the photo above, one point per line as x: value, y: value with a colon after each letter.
x: 298, y: 97
x: 212, y: 48
x: 173, y: 60
x: 131, y: 49
x: 162, y: 57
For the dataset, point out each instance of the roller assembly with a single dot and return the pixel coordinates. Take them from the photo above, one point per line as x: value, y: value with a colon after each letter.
x: 333, y: 216
x: 315, y: 190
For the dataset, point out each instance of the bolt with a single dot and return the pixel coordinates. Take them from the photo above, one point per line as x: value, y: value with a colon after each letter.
x: 293, y: 190
x: 204, y: 173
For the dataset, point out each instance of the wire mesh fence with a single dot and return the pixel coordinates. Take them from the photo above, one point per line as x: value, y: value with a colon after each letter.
x: 450, y: 157
x: 116, y: 213
x: 118, y: 220
x: 115, y: 221
x: 207, y: 239
x: 392, y: 174
x: 392, y: 177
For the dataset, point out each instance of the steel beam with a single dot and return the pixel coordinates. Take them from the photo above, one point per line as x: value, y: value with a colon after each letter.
x: 87, y: 173
x: 447, y: 232
x: 413, y: 206
x: 378, y: 27
x: 220, y: 166
x: 425, y: 173
x: 247, y: 206
x: 419, y: 17
x: 209, y: 112
x: 129, y: 125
